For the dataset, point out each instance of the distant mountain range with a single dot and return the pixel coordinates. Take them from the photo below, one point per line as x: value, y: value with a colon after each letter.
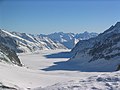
x: 69, y: 40
x: 22, y: 42
x: 101, y: 53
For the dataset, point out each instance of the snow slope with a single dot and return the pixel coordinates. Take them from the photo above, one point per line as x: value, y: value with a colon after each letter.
x: 35, y: 78
x: 101, y: 53
x: 109, y: 81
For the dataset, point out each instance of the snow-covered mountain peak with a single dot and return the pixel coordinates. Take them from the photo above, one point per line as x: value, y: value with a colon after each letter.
x: 117, y: 27
x: 113, y: 29
x: 117, y: 24
x: 86, y: 32
x: 3, y: 33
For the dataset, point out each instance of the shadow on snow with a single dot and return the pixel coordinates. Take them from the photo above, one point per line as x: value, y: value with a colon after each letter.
x: 59, y: 55
x: 64, y: 65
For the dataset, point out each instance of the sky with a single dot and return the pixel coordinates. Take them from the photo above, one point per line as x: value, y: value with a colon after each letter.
x: 48, y: 16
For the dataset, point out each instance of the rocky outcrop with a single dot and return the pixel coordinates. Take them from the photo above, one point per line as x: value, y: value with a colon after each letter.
x: 9, y: 56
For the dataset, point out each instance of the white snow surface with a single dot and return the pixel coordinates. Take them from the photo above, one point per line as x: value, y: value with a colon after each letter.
x: 34, y: 78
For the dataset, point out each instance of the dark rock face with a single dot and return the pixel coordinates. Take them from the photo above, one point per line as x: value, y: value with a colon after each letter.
x: 118, y: 68
x: 8, y: 41
x: 9, y: 55
x: 105, y: 48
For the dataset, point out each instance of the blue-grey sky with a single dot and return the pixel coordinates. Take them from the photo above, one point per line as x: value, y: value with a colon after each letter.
x: 48, y: 16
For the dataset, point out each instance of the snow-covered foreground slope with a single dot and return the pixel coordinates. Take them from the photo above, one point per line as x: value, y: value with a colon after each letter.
x: 109, y: 81
x: 21, y: 78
